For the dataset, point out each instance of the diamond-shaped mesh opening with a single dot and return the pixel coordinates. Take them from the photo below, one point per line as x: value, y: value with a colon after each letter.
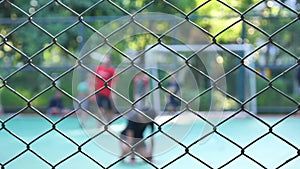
x: 234, y: 29
x: 74, y: 35
x: 10, y: 142
x: 79, y: 160
x: 16, y: 11
x: 184, y: 32
x: 271, y: 11
x: 252, y: 31
x: 240, y: 5
x: 282, y: 79
x: 242, y: 161
x: 265, y: 102
x: 184, y: 124
x: 35, y: 162
x: 290, y: 33
x: 63, y: 83
x: 209, y: 65
x: 251, y: 126
x: 90, y: 121
x: 28, y: 7
x: 132, y: 43
x: 138, y: 162
x: 159, y: 6
x: 32, y: 74
x: 232, y: 62
x: 54, y: 60
x: 194, y: 127
x: 38, y: 126
x: 25, y: 44
x: 14, y: 101
x: 222, y: 152
x: 274, y: 54
x: 280, y: 154
x: 41, y: 100
x: 281, y: 130
x: 132, y: 7
x: 10, y: 58
x: 103, y: 145
x: 70, y: 128
x: 52, y: 151
x: 191, y: 163
x: 107, y: 8
x: 185, y: 6
x: 215, y: 16
x: 201, y: 101
x: 54, y: 7
x: 168, y: 151
x: 291, y: 164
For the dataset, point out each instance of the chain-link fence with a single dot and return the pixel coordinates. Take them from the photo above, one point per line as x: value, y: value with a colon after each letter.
x: 228, y: 58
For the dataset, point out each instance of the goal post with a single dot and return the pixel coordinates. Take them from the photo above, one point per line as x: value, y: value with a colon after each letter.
x: 166, y: 58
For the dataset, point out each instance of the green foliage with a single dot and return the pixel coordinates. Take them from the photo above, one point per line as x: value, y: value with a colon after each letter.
x: 220, y: 21
x: 8, y: 98
x: 271, y: 97
x: 30, y: 83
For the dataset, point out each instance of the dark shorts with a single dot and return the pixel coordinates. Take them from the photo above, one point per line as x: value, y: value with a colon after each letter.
x: 174, y: 103
x: 104, y: 102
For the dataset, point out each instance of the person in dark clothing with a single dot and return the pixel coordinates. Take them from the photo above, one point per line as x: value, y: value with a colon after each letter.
x: 298, y: 78
x: 173, y: 103
x: 134, y: 133
x: 104, y: 97
x: 56, y: 106
x: 140, y: 86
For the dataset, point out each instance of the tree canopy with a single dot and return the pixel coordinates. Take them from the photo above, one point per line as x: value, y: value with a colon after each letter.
x: 228, y: 21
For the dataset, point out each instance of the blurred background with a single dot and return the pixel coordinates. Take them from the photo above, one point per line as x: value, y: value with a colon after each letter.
x: 270, y: 27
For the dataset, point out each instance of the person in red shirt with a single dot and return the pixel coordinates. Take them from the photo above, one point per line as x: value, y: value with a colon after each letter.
x: 103, y: 84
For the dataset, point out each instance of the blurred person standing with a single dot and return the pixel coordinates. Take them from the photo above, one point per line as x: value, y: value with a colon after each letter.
x: 83, y: 92
x: 1, y: 107
x: 298, y: 79
x: 140, y: 87
x: 134, y: 133
x: 104, y: 99
x: 56, y: 106
x: 1, y: 110
x: 173, y: 103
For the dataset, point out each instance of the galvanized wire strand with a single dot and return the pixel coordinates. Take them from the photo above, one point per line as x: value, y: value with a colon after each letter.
x: 285, y: 50
x: 174, y: 160
x: 143, y: 8
x: 284, y: 27
x: 287, y: 161
x: 243, y: 18
x: 253, y: 6
x: 230, y: 7
x: 287, y: 7
x: 175, y: 8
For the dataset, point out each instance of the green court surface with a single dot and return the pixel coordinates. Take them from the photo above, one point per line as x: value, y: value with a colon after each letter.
x: 216, y: 151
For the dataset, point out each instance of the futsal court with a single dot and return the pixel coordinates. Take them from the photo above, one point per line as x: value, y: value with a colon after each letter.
x: 232, y: 145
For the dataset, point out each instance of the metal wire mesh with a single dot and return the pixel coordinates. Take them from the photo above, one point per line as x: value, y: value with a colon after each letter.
x: 79, y: 19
